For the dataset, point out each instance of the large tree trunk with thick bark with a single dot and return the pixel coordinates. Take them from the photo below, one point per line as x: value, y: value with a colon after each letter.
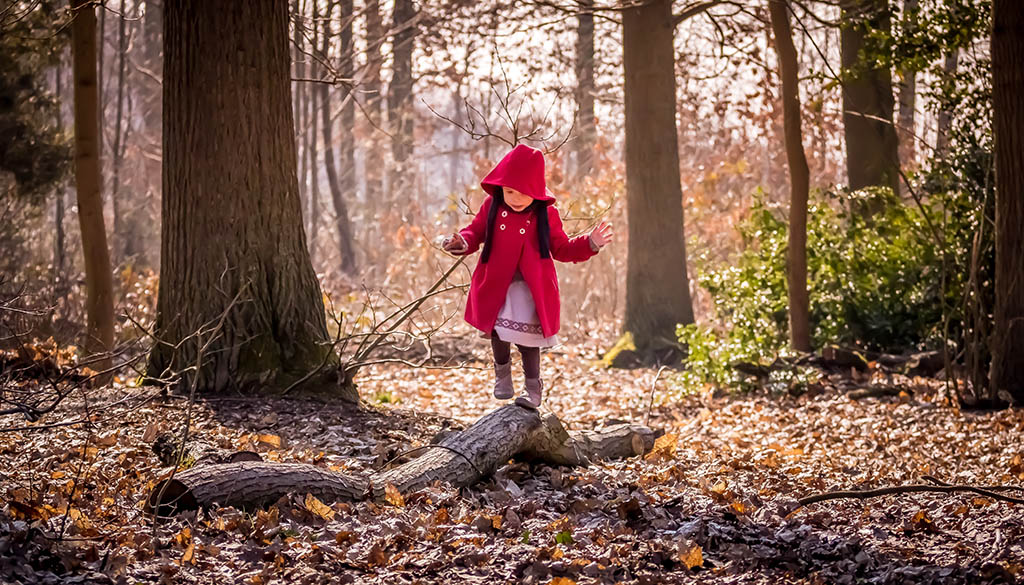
x: 872, y: 157
x: 1007, y: 374
x: 657, y: 286
x: 238, y: 298
x: 587, y: 134
x: 799, y: 178
x: 460, y: 459
x: 99, y: 284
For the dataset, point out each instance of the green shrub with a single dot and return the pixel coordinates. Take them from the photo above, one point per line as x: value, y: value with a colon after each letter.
x: 876, y: 283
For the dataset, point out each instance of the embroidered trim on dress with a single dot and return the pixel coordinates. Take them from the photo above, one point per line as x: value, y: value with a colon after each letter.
x: 517, y: 326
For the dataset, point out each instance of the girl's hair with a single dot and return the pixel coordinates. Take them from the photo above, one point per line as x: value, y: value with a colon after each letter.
x: 540, y: 210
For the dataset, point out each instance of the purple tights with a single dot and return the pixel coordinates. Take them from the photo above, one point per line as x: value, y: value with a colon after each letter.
x: 503, y: 353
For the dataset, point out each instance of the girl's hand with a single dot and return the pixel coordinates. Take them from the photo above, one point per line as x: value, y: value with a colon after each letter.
x: 454, y: 244
x: 602, y: 235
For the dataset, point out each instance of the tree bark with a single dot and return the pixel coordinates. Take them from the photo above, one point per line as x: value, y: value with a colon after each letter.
x: 657, y: 286
x: 908, y: 99
x: 945, y: 121
x: 872, y: 157
x: 1007, y: 372
x: 587, y: 134
x: 238, y: 296
x: 462, y: 459
x: 88, y: 183
x: 345, y: 240
x: 799, y: 178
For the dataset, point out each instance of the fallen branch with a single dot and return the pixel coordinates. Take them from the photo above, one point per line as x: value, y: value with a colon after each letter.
x: 876, y: 391
x: 906, y: 489
x: 460, y: 459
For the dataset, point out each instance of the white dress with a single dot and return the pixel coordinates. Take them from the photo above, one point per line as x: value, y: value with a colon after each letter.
x: 518, y: 321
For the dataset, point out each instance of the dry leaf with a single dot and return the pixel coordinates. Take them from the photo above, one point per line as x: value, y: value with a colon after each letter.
x: 692, y: 556
x: 108, y: 440
x: 664, y: 447
x: 151, y: 432
x: 190, y: 554
x: 319, y: 508
x: 393, y: 496
x: 271, y: 440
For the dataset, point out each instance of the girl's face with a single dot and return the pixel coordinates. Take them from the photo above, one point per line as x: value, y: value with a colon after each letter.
x: 516, y: 200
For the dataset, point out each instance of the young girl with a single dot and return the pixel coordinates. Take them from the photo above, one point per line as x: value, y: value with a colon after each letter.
x: 513, y: 297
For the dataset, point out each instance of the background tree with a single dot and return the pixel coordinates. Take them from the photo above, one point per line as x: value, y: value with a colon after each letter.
x: 587, y: 131
x: 906, y: 117
x: 1008, y: 109
x: 400, y: 115
x: 871, y: 142
x: 238, y: 297
x: 657, y: 287
x: 799, y: 177
x: 88, y: 184
x: 339, y: 185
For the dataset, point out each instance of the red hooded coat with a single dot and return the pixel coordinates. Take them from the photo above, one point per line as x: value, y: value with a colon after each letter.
x: 515, y: 245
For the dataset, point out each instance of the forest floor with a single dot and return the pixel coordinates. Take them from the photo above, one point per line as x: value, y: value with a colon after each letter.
x: 715, y: 502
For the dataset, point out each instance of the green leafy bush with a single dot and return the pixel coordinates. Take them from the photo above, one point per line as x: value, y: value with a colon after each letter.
x: 875, y: 283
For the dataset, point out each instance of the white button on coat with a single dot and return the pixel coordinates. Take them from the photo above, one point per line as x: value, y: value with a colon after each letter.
x: 504, y: 214
x: 502, y: 226
x: 522, y: 230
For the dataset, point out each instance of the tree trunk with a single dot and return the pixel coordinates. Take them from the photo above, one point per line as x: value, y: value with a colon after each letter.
x: 59, y: 244
x: 461, y: 459
x: 587, y: 134
x: 799, y: 178
x: 345, y: 241
x: 657, y: 287
x: 120, y: 231
x: 908, y: 99
x: 1007, y: 374
x: 311, y: 144
x: 400, y: 110
x: 347, y: 146
x: 88, y: 183
x: 872, y: 158
x: 298, y: 104
x: 238, y: 296
x: 945, y: 121
x: 375, y: 145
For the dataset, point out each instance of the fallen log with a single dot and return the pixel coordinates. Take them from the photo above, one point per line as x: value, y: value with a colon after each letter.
x: 460, y: 459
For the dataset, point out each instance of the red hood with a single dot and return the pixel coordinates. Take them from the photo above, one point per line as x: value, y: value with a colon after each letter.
x: 523, y: 170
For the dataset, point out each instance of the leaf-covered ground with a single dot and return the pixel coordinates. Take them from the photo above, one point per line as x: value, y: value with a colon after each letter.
x: 713, y: 503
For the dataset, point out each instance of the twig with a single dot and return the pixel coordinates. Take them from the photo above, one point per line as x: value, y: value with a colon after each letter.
x: 906, y: 489
x: 650, y: 401
x: 994, y: 488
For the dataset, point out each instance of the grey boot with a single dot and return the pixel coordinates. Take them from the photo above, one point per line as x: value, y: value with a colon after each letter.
x: 503, y: 380
x: 531, y: 399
